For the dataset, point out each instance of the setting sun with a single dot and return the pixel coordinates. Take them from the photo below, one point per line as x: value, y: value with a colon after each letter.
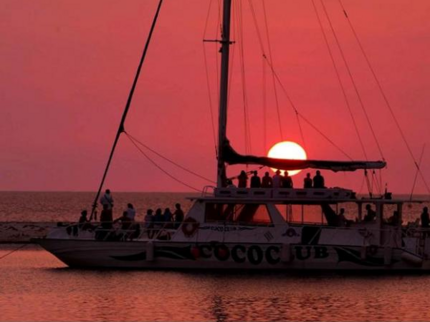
x: 287, y: 150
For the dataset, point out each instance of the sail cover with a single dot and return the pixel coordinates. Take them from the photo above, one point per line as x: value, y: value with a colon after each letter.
x: 231, y: 157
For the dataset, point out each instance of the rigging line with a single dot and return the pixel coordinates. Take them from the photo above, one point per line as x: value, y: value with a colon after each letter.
x: 254, y: 16
x: 127, y: 106
x: 210, y: 99
x: 361, y: 185
x: 416, y: 173
x: 239, y: 21
x: 303, y: 117
x: 264, y: 83
x: 301, y: 132
x: 13, y: 251
x: 207, y: 19
x: 269, y: 47
x: 345, y: 96
x: 352, y: 80
x: 168, y: 160
x: 384, y: 96
x: 160, y: 168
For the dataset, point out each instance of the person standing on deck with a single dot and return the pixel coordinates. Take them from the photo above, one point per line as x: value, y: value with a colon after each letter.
x: 242, y: 179
x: 179, y: 215
x: 106, y: 218
x: 267, y: 181
x: 287, y: 182
x: 277, y: 180
x: 308, y: 181
x: 319, y: 180
x: 425, y: 219
x: 131, y: 212
x: 255, y: 180
x: 107, y: 200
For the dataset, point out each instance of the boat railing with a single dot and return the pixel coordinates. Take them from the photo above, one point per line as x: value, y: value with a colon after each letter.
x: 286, y: 193
x: 122, y: 231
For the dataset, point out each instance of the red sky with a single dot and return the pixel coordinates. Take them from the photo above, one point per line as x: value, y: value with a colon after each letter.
x: 67, y: 66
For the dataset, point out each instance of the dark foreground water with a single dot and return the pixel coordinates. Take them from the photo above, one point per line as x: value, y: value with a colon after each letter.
x: 35, y: 286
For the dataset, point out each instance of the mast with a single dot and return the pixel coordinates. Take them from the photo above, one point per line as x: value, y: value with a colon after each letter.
x: 225, y: 58
x: 121, y: 128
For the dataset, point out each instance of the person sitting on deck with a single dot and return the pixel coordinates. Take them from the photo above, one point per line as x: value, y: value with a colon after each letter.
x: 130, y: 230
x: 425, y: 219
x: 125, y: 221
x: 179, y: 215
x: 287, y: 182
x: 319, y: 180
x: 84, y: 223
x: 267, y: 182
x: 255, y: 180
x: 168, y: 216
x: 394, y: 219
x: 342, y: 221
x: 277, y: 180
x: 341, y: 218
x: 158, y: 218
x: 230, y: 184
x: 242, y: 179
x: 308, y: 181
x: 371, y: 214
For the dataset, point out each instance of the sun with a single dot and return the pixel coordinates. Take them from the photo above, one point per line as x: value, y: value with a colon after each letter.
x: 287, y: 150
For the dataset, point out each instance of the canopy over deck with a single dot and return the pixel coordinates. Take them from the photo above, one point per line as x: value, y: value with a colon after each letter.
x: 231, y: 157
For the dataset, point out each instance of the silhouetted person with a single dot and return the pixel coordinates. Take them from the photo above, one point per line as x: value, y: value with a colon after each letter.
x: 167, y: 215
x: 107, y: 200
x: 158, y: 217
x: 425, y: 219
x: 255, y: 180
x: 394, y: 219
x: 84, y: 223
x: 230, y: 184
x: 277, y: 180
x: 125, y: 221
x: 371, y: 214
x: 287, y: 182
x: 149, y: 222
x: 267, y: 182
x: 319, y: 180
x: 307, y: 181
x: 131, y: 212
x: 106, y: 223
x: 242, y: 179
x: 106, y: 218
x: 178, y: 215
x: 341, y: 218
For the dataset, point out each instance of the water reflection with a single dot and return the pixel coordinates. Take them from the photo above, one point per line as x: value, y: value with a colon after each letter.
x: 36, y: 287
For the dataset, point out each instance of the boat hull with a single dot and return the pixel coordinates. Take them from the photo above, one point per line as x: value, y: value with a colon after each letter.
x: 234, y: 256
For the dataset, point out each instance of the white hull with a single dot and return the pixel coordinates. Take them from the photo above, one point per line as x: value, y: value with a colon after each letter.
x: 160, y: 255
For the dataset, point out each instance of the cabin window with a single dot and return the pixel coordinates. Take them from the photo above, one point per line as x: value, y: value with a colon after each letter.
x: 309, y: 214
x: 244, y: 214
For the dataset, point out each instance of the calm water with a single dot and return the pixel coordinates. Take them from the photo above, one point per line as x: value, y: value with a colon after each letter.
x: 35, y: 286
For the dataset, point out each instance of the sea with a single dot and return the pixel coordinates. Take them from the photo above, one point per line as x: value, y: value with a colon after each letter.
x: 35, y: 286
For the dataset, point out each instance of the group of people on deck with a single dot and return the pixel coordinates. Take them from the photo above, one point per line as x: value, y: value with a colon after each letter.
x: 279, y: 180
x: 152, y: 221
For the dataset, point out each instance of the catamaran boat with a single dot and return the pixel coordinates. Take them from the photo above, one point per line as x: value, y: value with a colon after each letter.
x: 256, y: 228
